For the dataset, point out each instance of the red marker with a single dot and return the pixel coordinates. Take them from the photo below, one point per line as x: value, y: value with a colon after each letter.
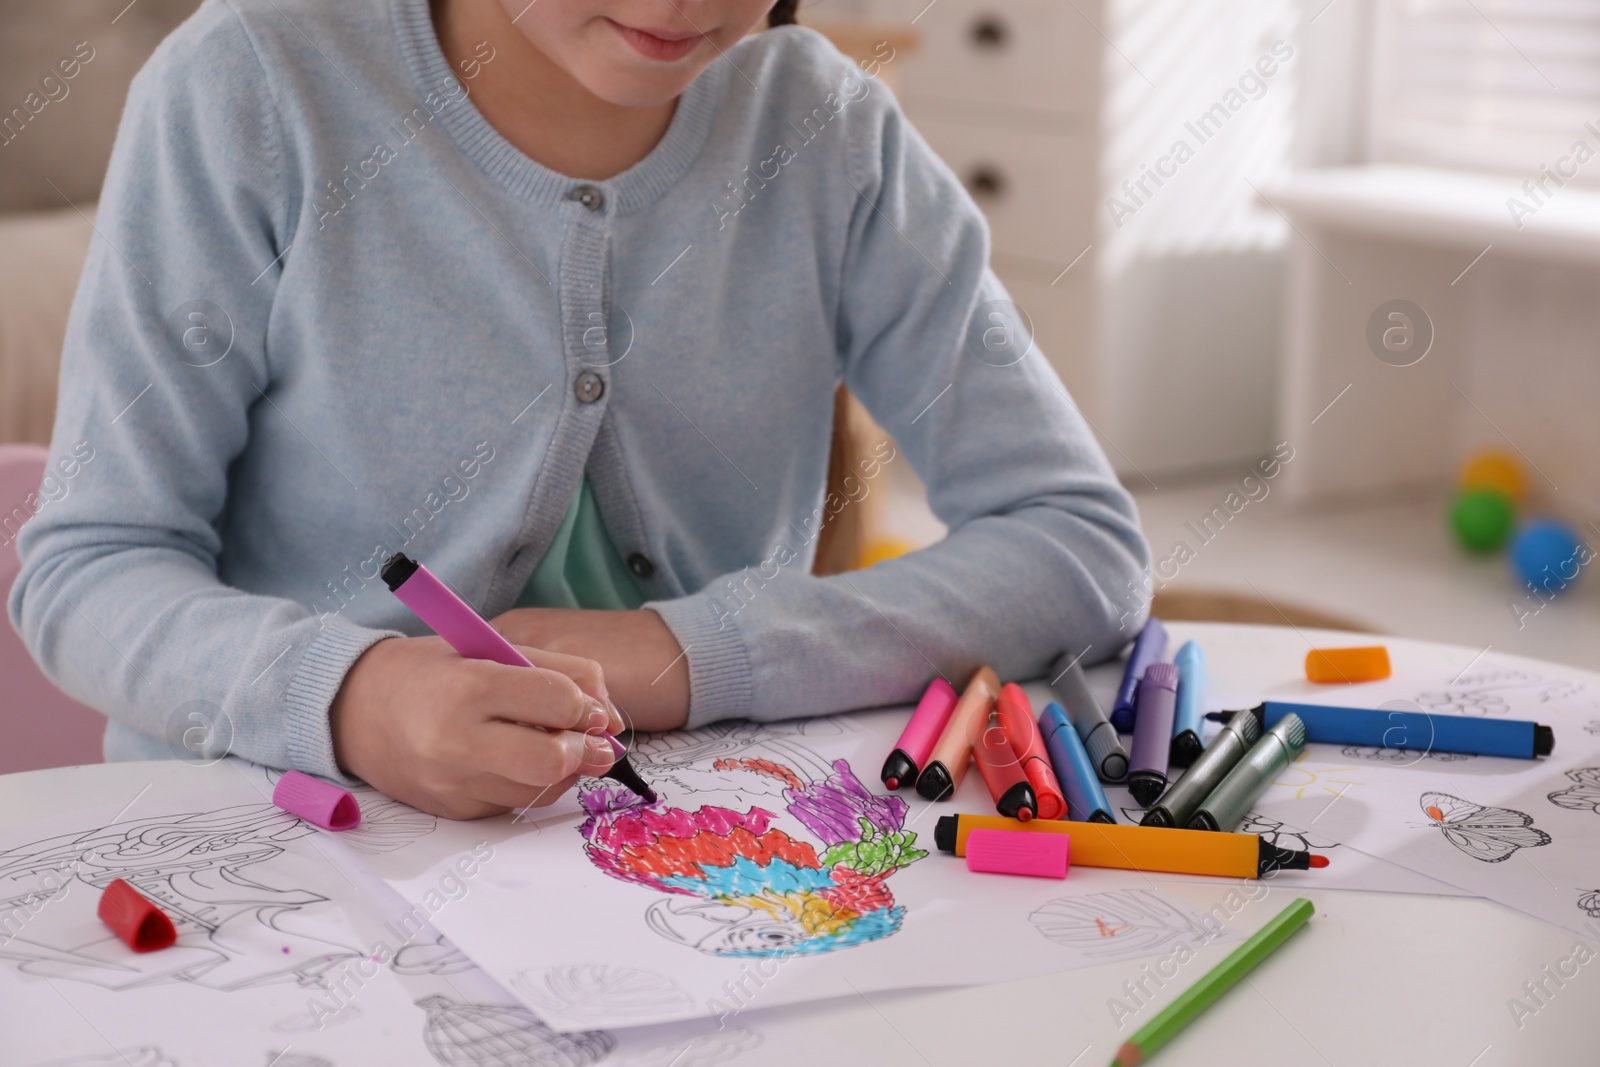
x: 1002, y: 773
x: 921, y: 734
x: 1016, y: 719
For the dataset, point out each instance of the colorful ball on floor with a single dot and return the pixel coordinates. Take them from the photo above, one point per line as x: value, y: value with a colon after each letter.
x: 1483, y: 519
x: 1491, y: 469
x: 1547, y: 555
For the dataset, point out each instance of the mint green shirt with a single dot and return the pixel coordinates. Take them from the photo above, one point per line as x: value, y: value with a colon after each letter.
x: 582, y: 568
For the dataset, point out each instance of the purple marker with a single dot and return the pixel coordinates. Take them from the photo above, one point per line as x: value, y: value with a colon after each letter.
x: 469, y: 634
x: 1152, y: 733
x: 1149, y: 648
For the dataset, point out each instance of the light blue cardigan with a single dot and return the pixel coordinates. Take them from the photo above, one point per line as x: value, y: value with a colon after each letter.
x: 330, y: 314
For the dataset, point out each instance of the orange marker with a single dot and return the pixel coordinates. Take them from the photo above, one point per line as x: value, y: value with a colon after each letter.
x: 1002, y: 773
x: 948, y: 764
x: 1141, y: 848
x: 1369, y: 663
x: 1017, y: 720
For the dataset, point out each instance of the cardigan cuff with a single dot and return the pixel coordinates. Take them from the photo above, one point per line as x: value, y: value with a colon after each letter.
x: 310, y: 694
x: 721, y: 682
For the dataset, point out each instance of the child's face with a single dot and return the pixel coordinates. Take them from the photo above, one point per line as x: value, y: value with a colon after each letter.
x: 635, y: 53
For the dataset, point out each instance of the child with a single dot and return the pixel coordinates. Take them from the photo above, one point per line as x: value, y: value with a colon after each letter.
x: 552, y: 297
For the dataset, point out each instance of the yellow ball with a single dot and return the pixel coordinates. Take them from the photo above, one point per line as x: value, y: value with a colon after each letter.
x: 881, y: 548
x: 1494, y: 470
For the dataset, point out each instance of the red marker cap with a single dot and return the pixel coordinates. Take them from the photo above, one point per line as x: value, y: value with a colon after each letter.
x: 1018, y: 852
x: 138, y: 922
x: 316, y: 802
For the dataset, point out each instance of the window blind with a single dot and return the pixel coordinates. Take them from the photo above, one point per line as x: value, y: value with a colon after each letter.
x: 1497, y: 85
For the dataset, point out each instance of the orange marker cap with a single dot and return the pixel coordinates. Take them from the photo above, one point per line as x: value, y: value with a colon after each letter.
x: 1368, y: 663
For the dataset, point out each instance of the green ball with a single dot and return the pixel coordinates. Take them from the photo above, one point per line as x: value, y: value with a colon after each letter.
x: 1483, y: 519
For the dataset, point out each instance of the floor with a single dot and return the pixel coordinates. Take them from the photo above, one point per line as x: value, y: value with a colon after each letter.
x: 1392, y: 565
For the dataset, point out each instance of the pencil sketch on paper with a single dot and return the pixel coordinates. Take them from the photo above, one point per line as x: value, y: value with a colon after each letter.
x: 1484, y: 833
x: 1582, y: 796
x: 209, y: 871
x: 386, y: 824
x: 735, y: 884
x: 504, y: 1035
x: 1281, y: 836
x: 430, y: 957
x: 1119, y: 924
x: 1403, y: 756
x: 701, y: 1050
x: 1484, y: 694
x: 1589, y: 903
x: 589, y: 993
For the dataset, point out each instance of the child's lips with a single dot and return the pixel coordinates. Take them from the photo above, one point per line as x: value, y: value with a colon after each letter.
x: 664, y: 46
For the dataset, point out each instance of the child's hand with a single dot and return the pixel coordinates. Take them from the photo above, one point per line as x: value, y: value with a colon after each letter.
x: 645, y: 668
x: 454, y: 736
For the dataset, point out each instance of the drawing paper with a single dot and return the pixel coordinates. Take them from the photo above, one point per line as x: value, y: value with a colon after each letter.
x: 773, y: 869
x: 290, y: 954
x: 1521, y: 832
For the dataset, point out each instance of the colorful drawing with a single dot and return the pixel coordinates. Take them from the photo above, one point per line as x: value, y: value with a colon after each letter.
x: 739, y: 886
x: 1487, y: 834
x: 1585, y: 795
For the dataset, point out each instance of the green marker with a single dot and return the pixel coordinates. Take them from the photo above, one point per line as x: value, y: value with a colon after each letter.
x: 1221, y: 978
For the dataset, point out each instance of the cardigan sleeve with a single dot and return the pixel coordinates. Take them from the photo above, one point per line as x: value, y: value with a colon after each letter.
x: 1044, y: 551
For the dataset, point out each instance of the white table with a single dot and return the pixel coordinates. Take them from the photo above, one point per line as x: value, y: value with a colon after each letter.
x: 1375, y: 979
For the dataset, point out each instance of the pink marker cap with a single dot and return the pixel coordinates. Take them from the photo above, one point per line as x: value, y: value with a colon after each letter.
x: 316, y: 802
x: 1018, y: 852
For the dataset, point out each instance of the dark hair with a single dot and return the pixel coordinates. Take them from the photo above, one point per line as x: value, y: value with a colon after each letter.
x: 782, y: 13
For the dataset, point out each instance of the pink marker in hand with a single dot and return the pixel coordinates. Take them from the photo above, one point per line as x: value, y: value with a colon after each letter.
x: 471, y: 635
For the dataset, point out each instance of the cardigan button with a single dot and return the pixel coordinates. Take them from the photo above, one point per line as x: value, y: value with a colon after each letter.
x: 589, y: 196
x: 640, y: 565
x: 589, y: 387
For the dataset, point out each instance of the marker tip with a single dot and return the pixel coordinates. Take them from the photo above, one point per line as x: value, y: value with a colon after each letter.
x: 892, y: 782
x: 1319, y: 861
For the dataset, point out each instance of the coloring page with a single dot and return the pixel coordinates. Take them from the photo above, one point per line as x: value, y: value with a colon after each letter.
x: 772, y: 869
x: 1516, y: 831
x: 291, y: 954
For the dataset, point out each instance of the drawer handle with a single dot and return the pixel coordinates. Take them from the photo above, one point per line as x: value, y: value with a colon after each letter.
x: 985, y: 181
x: 989, y: 31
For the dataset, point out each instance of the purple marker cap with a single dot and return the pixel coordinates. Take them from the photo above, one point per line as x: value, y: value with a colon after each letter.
x: 1161, y: 675
x: 316, y: 802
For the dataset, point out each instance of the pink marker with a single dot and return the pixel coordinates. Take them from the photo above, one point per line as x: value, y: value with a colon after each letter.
x: 1016, y: 852
x: 471, y: 635
x: 921, y: 734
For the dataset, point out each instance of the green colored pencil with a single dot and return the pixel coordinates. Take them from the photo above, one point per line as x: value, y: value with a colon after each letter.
x: 1221, y: 978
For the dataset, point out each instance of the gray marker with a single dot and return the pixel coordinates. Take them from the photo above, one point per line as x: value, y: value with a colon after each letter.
x: 1099, y: 738
x: 1231, y: 800
x: 1179, y: 803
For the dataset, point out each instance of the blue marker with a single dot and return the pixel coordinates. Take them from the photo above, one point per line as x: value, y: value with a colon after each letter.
x: 1150, y: 647
x: 1409, y: 730
x: 1086, y: 801
x: 1186, y: 744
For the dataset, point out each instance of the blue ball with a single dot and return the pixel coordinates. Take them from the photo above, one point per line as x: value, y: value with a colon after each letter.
x: 1548, y: 556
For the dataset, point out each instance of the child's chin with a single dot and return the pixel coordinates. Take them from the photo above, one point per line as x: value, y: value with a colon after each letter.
x: 628, y: 80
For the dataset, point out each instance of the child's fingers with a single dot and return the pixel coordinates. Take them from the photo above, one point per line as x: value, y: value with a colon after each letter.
x: 539, y: 757
x: 505, y: 793
x: 585, y: 672
x: 538, y: 697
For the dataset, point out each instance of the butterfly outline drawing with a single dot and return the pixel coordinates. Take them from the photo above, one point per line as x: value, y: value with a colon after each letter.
x: 1584, y: 795
x: 1487, y: 834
